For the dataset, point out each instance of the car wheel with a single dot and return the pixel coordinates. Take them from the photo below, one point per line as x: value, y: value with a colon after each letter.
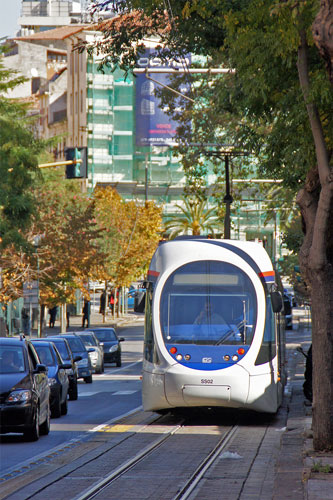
x: 56, y: 408
x: 64, y: 407
x: 32, y: 432
x: 88, y: 380
x: 73, y: 394
x: 102, y: 370
x: 118, y: 362
x: 99, y: 371
x: 44, y: 429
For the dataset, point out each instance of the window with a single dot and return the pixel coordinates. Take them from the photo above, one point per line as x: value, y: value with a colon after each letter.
x: 208, y: 302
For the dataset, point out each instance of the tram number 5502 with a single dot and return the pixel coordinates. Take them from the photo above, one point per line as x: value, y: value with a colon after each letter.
x: 207, y: 381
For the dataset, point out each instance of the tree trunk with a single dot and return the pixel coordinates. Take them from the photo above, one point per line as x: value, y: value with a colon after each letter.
x: 322, y: 358
x: 316, y: 260
x: 322, y: 30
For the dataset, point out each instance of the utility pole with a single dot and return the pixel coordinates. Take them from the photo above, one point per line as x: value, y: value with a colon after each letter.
x: 226, y: 153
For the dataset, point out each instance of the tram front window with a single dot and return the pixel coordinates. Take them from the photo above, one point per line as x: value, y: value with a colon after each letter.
x: 208, y: 302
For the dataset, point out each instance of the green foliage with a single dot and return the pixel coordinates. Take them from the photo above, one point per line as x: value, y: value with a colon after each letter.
x: 194, y: 218
x: 18, y: 163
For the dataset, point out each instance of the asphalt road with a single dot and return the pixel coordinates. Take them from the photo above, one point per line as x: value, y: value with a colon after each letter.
x: 112, y: 394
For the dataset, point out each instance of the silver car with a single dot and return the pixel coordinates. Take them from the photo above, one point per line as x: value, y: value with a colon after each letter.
x: 96, y: 356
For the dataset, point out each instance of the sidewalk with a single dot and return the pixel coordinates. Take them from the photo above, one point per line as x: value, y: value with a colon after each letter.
x: 96, y: 321
x: 295, y: 477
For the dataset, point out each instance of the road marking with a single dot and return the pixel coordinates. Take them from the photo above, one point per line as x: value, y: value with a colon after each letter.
x: 22, y: 467
x: 116, y: 428
x: 125, y: 367
x: 123, y: 393
x: 117, y: 393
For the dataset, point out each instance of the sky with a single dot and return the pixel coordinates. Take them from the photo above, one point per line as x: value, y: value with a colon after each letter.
x: 10, y: 12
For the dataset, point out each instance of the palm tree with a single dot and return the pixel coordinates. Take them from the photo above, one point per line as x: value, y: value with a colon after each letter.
x: 195, y: 218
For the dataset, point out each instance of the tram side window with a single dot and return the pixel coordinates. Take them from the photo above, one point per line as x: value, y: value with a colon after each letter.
x: 268, y: 347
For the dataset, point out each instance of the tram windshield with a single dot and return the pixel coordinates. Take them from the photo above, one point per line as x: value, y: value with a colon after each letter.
x: 208, y: 302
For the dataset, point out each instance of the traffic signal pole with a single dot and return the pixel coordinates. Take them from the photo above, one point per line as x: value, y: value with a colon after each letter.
x: 59, y: 163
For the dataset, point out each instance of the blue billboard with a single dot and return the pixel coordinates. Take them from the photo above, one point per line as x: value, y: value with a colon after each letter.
x: 153, y: 126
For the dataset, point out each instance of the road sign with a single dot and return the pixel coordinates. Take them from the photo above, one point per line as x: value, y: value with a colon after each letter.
x: 30, y: 293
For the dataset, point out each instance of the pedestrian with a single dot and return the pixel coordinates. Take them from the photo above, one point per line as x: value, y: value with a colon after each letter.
x: 102, y: 302
x: 53, y: 315
x: 25, y: 321
x: 70, y: 310
x: 111, y: 302
x: 86, y: 313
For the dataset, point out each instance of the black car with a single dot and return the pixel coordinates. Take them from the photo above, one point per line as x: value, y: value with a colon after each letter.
x: 24, y: 390
x: 85, y: 370
x: 57, y: 375
x: 68, y: 357
x: 111, y: 344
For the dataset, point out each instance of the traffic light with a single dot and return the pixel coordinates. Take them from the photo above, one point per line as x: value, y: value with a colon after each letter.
x: 77, y: 170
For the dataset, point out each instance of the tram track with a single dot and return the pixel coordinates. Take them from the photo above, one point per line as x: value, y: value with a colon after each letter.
x: 174, y: 457
x: 206, y: 463
x: 102, y: 485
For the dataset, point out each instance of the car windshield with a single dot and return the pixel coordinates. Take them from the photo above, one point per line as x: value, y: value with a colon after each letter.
x: 88, y: 340
x: 75, y: 344
x: 62, y: 348
x: 11, y: 359
x: 106, y: 335
x: 45, y: 354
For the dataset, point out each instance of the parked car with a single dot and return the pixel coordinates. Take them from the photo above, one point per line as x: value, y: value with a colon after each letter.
x: 85, y: 370
x: 24, y: 390
x: 68, y: 357
x: 111, y: 344
x: 97, y: 356
x: 133, y: 295
x: 57, y: 375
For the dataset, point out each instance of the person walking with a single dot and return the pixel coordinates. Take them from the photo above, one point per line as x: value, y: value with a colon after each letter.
x: 70, y: 311
x: 102, y: 303
x: 86, y: 313
x: 53, y: 315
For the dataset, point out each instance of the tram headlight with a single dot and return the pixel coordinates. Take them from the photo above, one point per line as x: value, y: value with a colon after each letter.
x: 235, y: 357
x: 179, y: 357
x: 187, y: 357
x: 226, y: 357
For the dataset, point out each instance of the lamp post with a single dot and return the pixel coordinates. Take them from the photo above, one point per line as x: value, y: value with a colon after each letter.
x: 36, y: 242
x: 140, y: 153
x: 226, y: 154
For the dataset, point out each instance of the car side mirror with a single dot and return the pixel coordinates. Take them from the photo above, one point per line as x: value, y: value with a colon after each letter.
x: 121, y: 339
x: 77, y: 358
x: 41, y: 369
x: 65, y: 366
x: 91, y: 349
x: 277, y: 302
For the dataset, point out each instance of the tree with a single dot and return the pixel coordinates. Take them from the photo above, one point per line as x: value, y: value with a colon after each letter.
x: 69, y: 250
x: 194, y: 217
x: 281, y: 101
x: 130, y: 235
x: 19, y: 151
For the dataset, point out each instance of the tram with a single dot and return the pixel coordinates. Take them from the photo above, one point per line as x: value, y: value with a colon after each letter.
x: 214, y: 328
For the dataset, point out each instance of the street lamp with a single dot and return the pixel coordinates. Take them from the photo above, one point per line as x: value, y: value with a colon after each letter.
x: 36, y: 241
x: 146, y: 172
